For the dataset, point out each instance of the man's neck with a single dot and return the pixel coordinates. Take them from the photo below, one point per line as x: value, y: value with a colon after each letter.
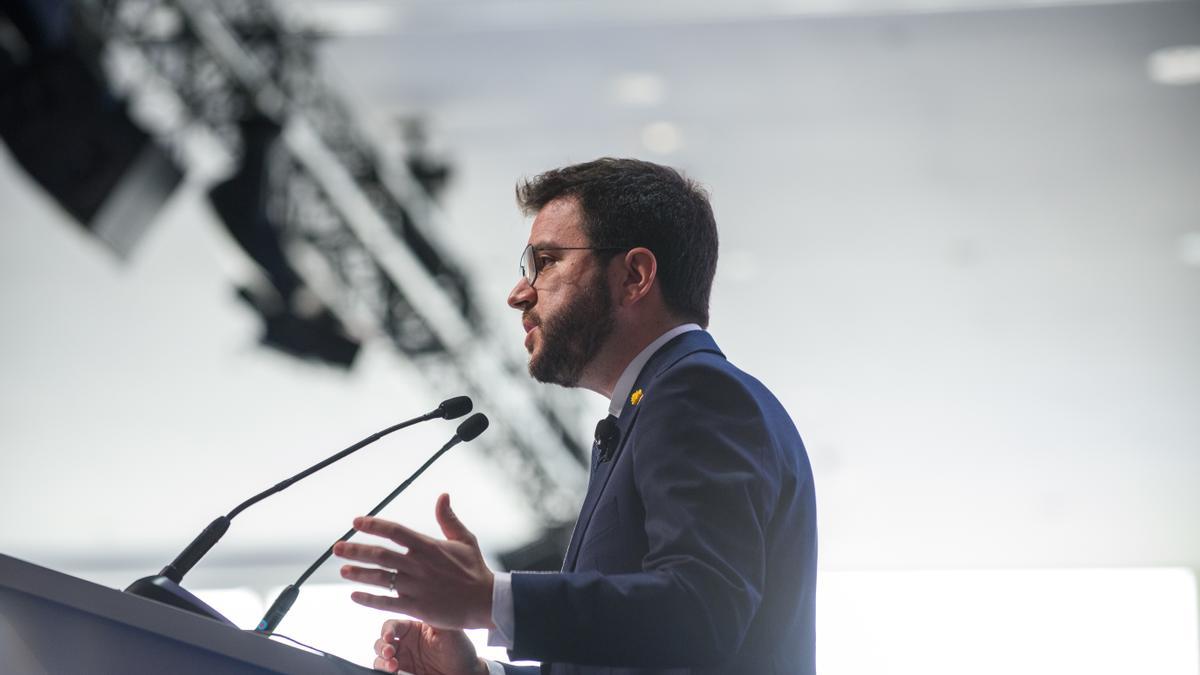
x: 622, y: 346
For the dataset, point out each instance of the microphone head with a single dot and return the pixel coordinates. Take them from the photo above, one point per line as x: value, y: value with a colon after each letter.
x: 455, y: 407
x: 472, y: 427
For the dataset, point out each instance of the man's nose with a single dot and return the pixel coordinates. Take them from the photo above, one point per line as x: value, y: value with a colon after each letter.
x: 523, y: 296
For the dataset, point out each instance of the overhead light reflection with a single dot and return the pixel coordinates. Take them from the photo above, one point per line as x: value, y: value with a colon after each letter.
x: 1175, y: 66
x: 638, y: 90
x: 662, y: 138
x: 1189, y: 248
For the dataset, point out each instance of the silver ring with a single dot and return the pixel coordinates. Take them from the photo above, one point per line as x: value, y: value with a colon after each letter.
x: 392, y: 582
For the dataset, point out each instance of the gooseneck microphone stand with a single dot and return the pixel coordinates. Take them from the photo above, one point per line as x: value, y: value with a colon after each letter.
x: 165, y: 586
x: 467, y: 431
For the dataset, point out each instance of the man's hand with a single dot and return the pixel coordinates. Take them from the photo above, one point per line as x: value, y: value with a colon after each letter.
x: 419, y: 648
x: 446, y: 584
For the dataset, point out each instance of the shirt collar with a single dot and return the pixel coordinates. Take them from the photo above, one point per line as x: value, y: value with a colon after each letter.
x: 625, y: 383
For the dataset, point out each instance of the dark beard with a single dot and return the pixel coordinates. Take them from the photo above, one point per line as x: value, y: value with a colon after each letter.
x: 573, y: 336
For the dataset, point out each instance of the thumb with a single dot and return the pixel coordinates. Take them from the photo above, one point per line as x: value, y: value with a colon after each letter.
x: 451, y: 526
x: 397, y: 629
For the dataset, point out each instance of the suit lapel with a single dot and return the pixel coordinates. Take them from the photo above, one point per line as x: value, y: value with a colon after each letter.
x: 669, y: 354
x: 599, y: 478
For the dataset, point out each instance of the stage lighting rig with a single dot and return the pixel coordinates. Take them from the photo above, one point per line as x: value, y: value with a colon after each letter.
x: 339, y: 231
x: 68, y: 131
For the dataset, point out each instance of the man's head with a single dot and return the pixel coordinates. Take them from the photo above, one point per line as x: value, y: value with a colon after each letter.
x: 627, y: 203
x: 610, y: 235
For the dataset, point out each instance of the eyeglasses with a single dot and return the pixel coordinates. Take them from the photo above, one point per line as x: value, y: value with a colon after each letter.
x: 529, y: 262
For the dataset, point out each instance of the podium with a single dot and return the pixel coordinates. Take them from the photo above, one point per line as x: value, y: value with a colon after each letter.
x: 55, y: 624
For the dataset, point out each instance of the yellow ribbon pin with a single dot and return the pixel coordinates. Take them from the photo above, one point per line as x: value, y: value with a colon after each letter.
x: 636, y: 397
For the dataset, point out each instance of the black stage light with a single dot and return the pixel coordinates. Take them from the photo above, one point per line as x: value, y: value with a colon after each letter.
x: 431, y: 172
x: 319, y: 336
x: 294, y: 320
x: 243, y: 203
x: 64, y: 127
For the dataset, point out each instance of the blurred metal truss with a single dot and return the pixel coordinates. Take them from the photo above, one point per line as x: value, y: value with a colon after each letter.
x: 357, y: 226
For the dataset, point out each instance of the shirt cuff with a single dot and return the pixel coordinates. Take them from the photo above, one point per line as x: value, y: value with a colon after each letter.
x: 503, y: 615
x: 494, y: 667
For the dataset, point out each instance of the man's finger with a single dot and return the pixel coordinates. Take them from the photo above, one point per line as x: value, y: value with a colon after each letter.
x: 377, y: 577
x: 451, y: 526
x: 395, y: 531
x: 403, y: 627
x: 384, y: 649
x: 376, y: 555
x: 390, y: 603
x: 388, y: 630
x: 388, y: 665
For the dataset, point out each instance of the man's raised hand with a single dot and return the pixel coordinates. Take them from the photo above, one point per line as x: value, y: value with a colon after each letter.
x: 445, y: 583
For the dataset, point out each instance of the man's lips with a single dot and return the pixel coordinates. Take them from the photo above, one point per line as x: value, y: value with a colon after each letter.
x: 529, y: 325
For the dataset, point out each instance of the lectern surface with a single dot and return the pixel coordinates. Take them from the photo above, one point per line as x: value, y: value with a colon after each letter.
x: 54, y: 624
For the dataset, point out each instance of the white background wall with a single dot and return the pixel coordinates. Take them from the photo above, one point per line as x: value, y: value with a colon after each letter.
x: 960, y: 246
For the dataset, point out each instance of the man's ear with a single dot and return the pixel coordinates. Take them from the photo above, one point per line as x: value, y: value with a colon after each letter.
x: 638, y: 270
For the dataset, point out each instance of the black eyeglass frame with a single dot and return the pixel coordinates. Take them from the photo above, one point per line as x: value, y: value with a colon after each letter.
x: 530, y: 251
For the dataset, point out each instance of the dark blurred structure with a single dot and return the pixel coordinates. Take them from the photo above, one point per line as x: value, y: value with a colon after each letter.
x: 346, y: 239
x: 544, y: 554
x: 72, y: 136
x: 433, y: 174
x: 294, y: 320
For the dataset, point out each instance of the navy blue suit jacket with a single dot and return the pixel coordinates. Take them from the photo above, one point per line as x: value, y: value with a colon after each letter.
x: 696, y: 547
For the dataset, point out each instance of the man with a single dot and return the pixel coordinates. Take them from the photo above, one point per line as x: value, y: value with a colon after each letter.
x: 695, y: 550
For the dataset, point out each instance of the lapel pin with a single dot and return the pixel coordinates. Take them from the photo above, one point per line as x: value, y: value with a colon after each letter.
x: 636, y: 397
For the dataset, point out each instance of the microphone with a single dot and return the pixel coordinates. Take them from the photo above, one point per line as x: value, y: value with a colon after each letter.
x: 467, y: 431
x: 165, y: 588
x: 608, y: 434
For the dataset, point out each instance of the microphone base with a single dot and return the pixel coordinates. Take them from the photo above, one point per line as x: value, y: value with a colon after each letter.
x: 161, y: 589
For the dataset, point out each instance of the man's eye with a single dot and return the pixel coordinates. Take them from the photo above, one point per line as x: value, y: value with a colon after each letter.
x: 544, y: 261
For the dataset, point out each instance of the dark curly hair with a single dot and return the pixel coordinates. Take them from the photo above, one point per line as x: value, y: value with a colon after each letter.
x: 627, y: 203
